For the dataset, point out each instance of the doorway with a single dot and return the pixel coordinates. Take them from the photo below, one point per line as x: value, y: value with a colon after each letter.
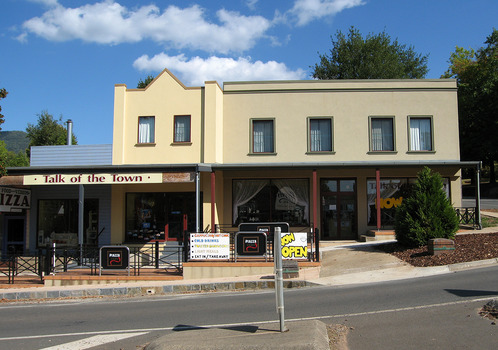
x: 15, y: 231
x: 338, y: 209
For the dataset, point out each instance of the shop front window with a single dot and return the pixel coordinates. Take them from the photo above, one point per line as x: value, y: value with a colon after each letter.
x: 392, y: 192
x: 58, y: 222
x: 159, y: 216
x: 276, y: 200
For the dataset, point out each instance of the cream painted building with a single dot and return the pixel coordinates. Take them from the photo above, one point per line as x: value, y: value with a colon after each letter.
x: 315, y: 154
x: 303, y: 152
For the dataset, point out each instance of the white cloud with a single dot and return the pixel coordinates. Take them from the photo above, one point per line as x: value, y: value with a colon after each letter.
x: 195, y: 71
x: 46, y: 2
x: 305, y: 11
x: 251, y: 4
x: 108, y: 22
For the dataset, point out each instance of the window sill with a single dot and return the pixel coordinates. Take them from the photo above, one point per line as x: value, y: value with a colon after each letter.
x: 382, y: 152
x: 152, y: 144
x: 262, y: 154
x: 188, y: 143
x: 418, y: 152
x: 320, y: 152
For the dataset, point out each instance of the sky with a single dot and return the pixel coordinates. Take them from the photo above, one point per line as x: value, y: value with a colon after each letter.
x: 65, y: 56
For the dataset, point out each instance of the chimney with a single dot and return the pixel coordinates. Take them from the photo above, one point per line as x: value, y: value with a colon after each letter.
x: 69, y: 132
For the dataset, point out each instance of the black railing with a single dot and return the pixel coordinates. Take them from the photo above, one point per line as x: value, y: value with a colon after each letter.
x: 13, y: 265
x: 153, y: 255
x: 467, y: 216
x: 64, y: 259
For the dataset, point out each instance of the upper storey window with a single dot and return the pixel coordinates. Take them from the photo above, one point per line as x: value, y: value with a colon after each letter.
x: 421, y: 136
x: 263, y: 137
x: 320, y: 135
x: 182, y: 128
x: 381, y: 134
x: 146, y: 130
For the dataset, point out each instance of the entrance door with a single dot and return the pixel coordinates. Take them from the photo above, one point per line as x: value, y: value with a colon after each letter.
x: 180, y: 214
x: 14, y: 235
x: 338, y: 216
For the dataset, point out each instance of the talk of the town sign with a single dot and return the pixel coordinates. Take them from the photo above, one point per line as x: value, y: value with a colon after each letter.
x: 108, y: 179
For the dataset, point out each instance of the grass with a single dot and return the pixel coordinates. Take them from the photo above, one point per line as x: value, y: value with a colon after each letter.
x: 489, y: 222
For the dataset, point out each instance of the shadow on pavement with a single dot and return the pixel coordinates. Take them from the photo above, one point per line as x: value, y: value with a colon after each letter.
x: 471, y: 293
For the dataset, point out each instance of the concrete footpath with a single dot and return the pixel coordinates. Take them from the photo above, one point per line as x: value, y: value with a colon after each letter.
x: 342, y: 264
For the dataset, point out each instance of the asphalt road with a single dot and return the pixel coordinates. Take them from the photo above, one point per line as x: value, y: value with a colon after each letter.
x: 438, y: 311
x: 485, y: 203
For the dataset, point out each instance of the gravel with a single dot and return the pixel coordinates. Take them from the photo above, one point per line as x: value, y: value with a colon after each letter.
x: 468, y: 247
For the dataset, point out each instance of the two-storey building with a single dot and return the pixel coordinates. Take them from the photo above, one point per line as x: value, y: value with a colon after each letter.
x: 333, y: 155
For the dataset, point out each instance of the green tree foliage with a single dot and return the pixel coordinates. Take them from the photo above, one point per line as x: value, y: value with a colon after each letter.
x: 477, y: 78
x: 48, y: 131
x: 11, y: 159
x: 3, y: 94
x: 426, y: 213
x: 142, y: 84
x: 373, y: 57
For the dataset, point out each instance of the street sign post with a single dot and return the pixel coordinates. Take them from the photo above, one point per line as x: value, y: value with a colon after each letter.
x: 279, y: 279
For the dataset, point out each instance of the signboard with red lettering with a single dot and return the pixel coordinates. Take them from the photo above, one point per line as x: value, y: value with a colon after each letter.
x: 114, y: 258
x: 251, y: 243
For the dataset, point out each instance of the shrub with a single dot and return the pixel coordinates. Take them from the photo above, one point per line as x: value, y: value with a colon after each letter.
x: 426, y: 213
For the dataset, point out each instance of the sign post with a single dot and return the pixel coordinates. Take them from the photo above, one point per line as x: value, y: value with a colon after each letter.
x: 279, y: 280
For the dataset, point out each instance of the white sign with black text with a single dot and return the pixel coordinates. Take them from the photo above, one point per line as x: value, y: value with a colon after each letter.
x: 209, y: 246
x: 14, y: 199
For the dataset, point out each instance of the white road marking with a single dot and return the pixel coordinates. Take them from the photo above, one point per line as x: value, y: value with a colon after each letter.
x: 93, y: 341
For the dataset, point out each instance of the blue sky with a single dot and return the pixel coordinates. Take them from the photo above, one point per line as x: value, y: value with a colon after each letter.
x: 65, y: 56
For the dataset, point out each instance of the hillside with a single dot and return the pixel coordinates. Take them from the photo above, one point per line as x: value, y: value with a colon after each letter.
x: 15, y: 141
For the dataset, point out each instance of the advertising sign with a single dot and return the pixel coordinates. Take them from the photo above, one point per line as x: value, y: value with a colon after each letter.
x: 14, y: 199
x: 251, y: 243
x: 295, y: 245
x: 210, y: 246
x: 93, y: 179
x: 114, y: 258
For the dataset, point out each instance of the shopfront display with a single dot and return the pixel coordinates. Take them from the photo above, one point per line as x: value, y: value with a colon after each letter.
x: 275, y: 200
x: 392, y: 192
x: 58, y: 222
x: 159, y: 216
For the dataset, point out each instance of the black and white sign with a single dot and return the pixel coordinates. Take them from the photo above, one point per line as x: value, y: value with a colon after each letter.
x: 14, y: 199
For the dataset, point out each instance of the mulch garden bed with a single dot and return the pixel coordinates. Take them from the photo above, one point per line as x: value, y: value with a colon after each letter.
x: 468, y: 247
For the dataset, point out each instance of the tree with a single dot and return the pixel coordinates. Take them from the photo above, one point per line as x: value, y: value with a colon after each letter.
x: 3, y: 94
x: 142, y: 84
x: 11, y: 159
x: 477, y: 78
x: 48, y: 131
x: 426, y: 213
x: 374, y: 57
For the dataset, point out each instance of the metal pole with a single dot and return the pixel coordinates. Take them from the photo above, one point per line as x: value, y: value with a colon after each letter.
x: 81, y: 213
x: 478, y: 196
x: 377, y: 186
x: 53, y: 259
x: 197, y: 202
x: 279, y: 281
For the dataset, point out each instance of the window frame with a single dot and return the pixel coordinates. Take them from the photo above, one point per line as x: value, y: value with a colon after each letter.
x: 189, y: 136
x: 431, y: 124
x: 270, y: 191
x: 393, y: 124
x: 310, y: 120
x: 252, y: 121
x: 152, y: 140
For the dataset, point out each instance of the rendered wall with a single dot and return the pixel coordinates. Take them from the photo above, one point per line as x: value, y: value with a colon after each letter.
x: 350, y: 104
